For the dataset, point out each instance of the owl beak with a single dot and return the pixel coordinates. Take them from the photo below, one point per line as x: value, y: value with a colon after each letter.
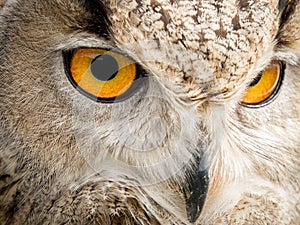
x: 195, y: 194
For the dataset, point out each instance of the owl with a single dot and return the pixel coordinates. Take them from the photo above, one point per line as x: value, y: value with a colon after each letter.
x: 149, y: 112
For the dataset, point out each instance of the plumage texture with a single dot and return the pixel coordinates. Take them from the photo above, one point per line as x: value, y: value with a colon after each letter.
x: 65, y: 159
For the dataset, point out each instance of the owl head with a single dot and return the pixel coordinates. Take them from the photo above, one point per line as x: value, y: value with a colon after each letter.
x: 149, y: 112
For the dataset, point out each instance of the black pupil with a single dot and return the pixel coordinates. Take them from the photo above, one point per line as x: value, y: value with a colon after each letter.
x: 256, y: 80
x: 104, y: 67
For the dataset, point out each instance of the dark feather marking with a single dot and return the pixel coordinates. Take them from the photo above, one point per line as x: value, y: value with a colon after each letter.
x: 287, y: 8
x: 98, y: 23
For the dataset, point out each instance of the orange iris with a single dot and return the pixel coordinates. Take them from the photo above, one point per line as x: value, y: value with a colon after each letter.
x: 266, y: 85
x: 101, y: 73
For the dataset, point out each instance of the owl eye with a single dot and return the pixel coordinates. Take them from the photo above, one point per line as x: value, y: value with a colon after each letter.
x: 101, y: 75
x: 265, y: 86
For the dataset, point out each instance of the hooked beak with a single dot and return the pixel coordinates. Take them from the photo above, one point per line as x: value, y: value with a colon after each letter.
x: 195, y: 193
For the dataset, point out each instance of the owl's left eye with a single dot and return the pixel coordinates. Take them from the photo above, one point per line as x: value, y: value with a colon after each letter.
x: 101, y: 75
x: 266, y: 86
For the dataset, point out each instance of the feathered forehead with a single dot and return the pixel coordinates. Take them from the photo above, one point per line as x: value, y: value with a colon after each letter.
x: 218, y: 32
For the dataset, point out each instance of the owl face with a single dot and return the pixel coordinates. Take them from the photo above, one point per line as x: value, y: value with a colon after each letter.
x: 149, y: 112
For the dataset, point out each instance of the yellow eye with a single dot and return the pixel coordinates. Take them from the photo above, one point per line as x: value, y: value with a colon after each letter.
x: 265, y: 86
x: 101, y: 74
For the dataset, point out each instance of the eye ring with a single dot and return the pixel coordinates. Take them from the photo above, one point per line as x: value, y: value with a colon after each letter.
x: 99, y: 93
x: 258, y: 82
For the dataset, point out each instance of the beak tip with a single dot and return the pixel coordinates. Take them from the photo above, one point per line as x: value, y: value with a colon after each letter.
x: 193, y: 216
x: 195, y: 199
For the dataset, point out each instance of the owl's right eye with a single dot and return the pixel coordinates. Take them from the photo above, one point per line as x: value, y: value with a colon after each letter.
x: 102, y: 75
